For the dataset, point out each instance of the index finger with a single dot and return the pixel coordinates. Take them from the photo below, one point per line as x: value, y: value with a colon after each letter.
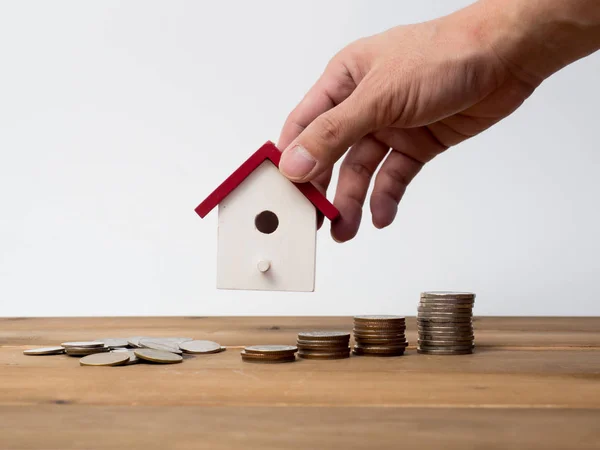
x: 332, y: 88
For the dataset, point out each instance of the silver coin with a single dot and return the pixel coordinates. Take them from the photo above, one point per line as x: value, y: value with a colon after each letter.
x: 104, y: 359
x: 135, y: 341
x: 462, y: 320
x: 159, y: 344
x: 83, y: 351
x: 132, y: 358
x: 448, y: 294
x: 200, y: 347
x: 385, y: 318
x: 44, y: 351
x: 324, y: 335
x: 438, y: 351
x: 157, y: 356
x: 81, y: 344
x: 177, y: 340
x: 271, y: 349
x: 114, y: 342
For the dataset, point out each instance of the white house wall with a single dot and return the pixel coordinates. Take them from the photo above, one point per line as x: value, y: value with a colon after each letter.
x: 290, y: 250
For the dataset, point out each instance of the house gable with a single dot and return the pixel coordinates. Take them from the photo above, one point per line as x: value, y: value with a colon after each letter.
x: 267, y: 152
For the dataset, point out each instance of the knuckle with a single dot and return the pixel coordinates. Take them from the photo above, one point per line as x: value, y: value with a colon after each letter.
x: 329, y: 129
x: 361, y: 169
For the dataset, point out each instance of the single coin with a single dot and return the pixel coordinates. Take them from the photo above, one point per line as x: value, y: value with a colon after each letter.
x: 324, y: 335
x: 114, y: 342
x: 271, y: 349
x: 87, y: 344
x: 135, y: 341
x: 446, y: 336
x: 370, y: 341
x: 44, y: 351
x: 324, y: 356
x: 252, y: 359
x: 444, y: 352
x: 447, y: 294
x: 132, y: 358
x: 440, y: 343
x: 323, y: 349
x: 427, y: 313
x: 379, y: 333
x: 377, y: 318
x: 104, y: 359
x: 157, y: 356
x: 334, y: 343
x: 271, y: 356
x: 83, y: 351
x: 429, y: 319
x: 160, y: 344
x: 381, y: 348
x: 177, y: 340
x: 362, y: 352
x: 445, y: 347
x: 200, y: 347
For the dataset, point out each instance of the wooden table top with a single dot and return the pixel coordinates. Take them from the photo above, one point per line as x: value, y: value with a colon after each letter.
x: 532, y: 383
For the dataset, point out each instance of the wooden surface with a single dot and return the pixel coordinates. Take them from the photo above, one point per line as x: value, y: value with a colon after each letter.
x: 532, y: 383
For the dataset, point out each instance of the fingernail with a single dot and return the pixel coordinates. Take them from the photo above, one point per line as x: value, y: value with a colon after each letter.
x: 296, y: 162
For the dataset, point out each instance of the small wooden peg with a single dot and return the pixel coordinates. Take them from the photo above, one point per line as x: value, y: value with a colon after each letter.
x: 263, y: 265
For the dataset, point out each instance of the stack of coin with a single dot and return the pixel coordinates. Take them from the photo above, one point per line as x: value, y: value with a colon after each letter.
x: 379, y: 335
x: 84, y: 348
x: 269, y: 354
x: 323, y: 344
x: 444, y: 323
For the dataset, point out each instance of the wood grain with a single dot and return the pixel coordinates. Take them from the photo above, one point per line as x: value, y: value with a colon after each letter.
x: 532, y: 383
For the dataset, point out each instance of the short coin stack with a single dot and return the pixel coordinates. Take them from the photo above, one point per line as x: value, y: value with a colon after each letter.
x: 323, y: 344
x: 379, y: 335
x: 269, y: 354
x: 444, y: 323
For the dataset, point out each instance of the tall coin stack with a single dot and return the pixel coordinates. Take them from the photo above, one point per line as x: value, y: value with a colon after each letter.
x: 379, y: 335
x: 323, y: 344
x: 444, y: 323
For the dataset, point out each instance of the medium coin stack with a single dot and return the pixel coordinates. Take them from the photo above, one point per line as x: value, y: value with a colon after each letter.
x: 444, y: 323
x: 269, y: 354
x: 323, y: 345
x: 379, y: 335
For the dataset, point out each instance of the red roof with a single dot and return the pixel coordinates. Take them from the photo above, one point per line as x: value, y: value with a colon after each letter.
x: 271, y: 152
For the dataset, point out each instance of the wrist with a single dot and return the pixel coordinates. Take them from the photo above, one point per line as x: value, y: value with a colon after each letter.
x: 536, y: 38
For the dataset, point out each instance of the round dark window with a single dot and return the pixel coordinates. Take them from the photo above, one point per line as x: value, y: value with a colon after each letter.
x: 266, y: 222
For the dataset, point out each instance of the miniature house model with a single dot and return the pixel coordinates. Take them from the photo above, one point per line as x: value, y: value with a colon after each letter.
x: 267, y: 226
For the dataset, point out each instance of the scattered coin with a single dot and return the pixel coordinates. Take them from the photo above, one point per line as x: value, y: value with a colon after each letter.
x: 87, y: 344
x: 114, y: 342
x: 83, y: 351
x: 104, y: 359
x: 132, y: 358
x: 135, y: 341
x: 160, y: 344
x: 44, y: 351
x: 200, y: 347
x: 157, y: 356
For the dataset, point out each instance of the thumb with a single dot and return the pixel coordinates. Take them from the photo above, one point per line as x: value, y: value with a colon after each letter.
x: 326, y: 139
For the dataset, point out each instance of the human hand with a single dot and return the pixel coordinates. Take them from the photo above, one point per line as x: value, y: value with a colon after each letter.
x: 416, y: 90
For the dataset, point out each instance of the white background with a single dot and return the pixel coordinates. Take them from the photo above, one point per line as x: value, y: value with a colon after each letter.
x: 118, y: 118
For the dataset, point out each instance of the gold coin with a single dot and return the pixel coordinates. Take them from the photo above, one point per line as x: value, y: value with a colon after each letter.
x: 104, y: 359
x: 157, y: 356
